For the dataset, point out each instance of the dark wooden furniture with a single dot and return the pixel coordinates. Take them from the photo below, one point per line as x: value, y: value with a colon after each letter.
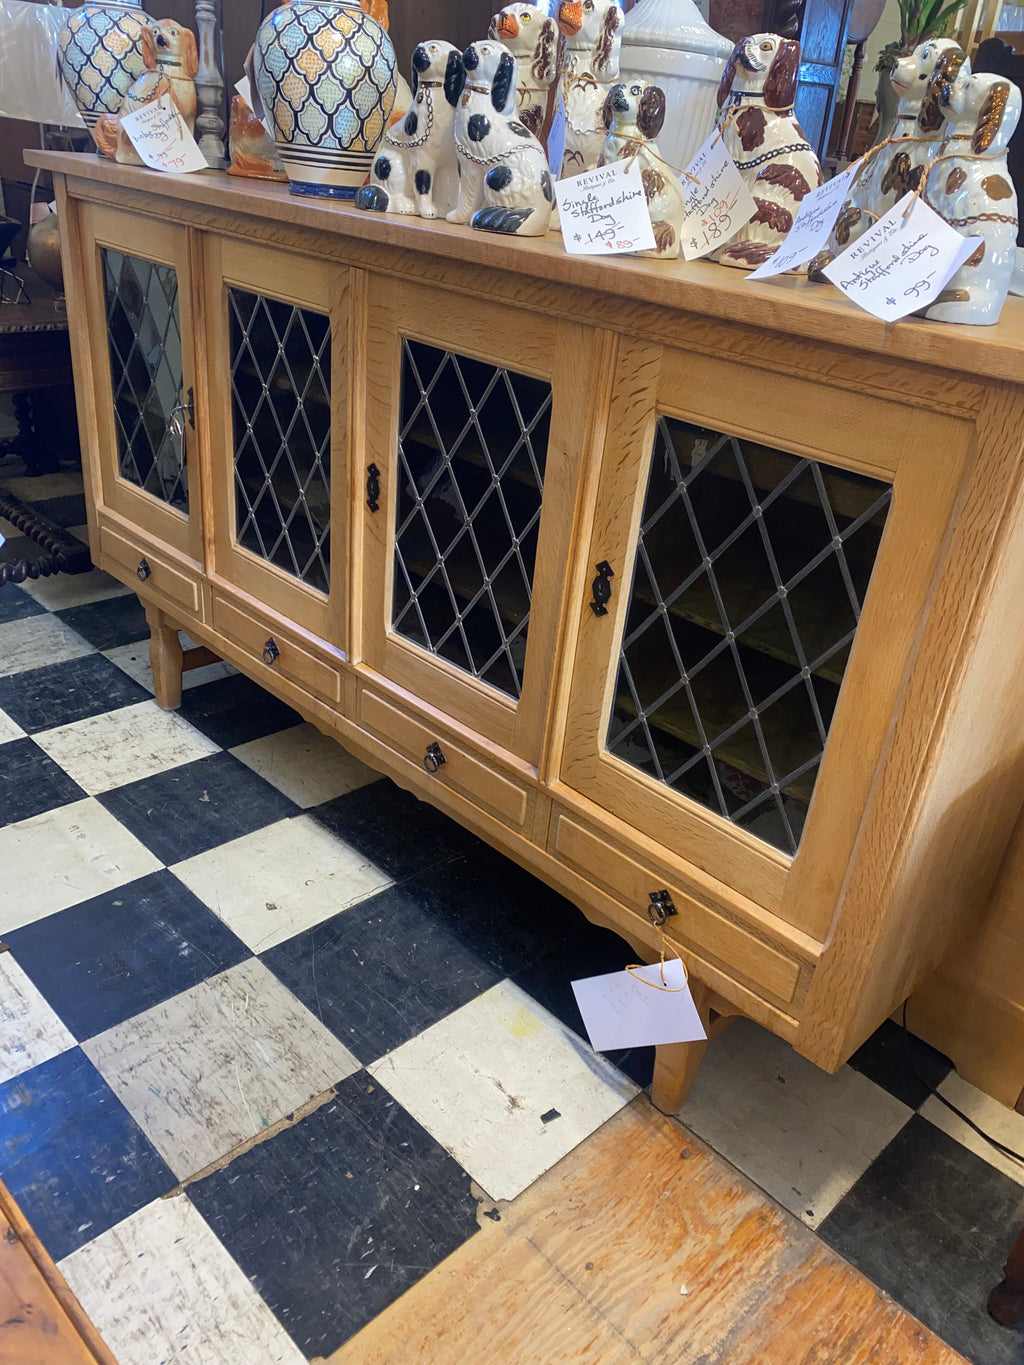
x: 1006, y: 1302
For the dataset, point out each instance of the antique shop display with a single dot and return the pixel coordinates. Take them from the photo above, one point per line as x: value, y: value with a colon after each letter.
x: 970, y: 186
x: 889, y: 170
x: 634, y: 114
x: 593, y: 37
x: 171, y: 58
x: 668, y: 43
x: 414, y: 170
x: 533, y: 38
x: 99, y: 54
x: 252, y: 150
x: 762, y: 136
x: 701, y: 609
x: 325, y: 75
x: 504, y: 182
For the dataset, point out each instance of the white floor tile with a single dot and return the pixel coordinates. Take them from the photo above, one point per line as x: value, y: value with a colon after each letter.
x: 134, y: 660
x: 162, y: 1289
x: 36, y: 641
x: 274, y: 883
x: 994, y: 1118
x: 30, y: 1032
x: 306, y: 765
x: 74, y: 590
x: 481, y: 1079
x: 215, y: 1065
x: 117, y: 747
x: 805, y: 1137
x: 62, y: 857
x: 8, y: 729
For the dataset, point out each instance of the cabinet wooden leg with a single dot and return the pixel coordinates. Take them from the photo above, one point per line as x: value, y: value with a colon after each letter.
x: 1006, y: 1302
x: 676, y: 1064
x: 165, y: 659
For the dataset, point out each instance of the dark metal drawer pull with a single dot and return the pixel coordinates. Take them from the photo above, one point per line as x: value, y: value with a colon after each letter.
x: 143, y: 571
x: 661, y: 908
x: 433, y: 758
x: 271, y: 653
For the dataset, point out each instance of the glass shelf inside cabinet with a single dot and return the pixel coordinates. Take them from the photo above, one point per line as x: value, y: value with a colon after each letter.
x: 750, y: 573
x: 472, y: 447
x: 144, y: 341
x: 281, y: 423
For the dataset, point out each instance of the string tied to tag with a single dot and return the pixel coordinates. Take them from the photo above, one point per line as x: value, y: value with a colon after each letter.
x: 636, y: 143
x: 658, y: 912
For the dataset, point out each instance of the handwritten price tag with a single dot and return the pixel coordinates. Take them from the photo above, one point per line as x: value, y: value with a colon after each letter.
x: 161, y: 137
x: 604, y: 212
x: 717, y: 205
x: 901, y: 264
x: 814, y: 221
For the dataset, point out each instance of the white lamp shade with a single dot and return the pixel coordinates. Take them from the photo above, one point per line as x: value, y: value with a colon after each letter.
x: 30, y: 87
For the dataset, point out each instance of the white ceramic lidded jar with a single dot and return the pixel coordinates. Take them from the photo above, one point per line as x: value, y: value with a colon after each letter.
x: 668, y: 43
x: 325, y: 72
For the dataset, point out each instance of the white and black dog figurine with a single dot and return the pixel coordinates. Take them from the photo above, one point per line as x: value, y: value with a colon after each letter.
x: 969, y: 185
x: 504, y: 181
x: 415, y: 166
x: 634, y: 113
x: 532, y: 36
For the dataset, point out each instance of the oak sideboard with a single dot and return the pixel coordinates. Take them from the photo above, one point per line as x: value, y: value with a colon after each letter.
x: 698, y: 597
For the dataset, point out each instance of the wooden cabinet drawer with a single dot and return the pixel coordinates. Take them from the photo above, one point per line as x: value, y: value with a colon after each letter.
x: 741, y: 953
x: 279, y: 652
x: 150, y: 569
x: 452, y: 765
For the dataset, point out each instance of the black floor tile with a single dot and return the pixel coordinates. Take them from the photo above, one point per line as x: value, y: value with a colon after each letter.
x: 15, y: 605
x: 336, y: 1217
x: 381, y: 972
x: 590, y: 951
x: 931, y: 1223
x: 67, y: 510
x: 106, y: 959
x: 195, y: 807
x: 113, y: 621
x: 71, y: 1155
x: 234, y: 711
x: 59, y: 694
x: 398, y: 833
x: 31, y: 782
x: 900, y: 1063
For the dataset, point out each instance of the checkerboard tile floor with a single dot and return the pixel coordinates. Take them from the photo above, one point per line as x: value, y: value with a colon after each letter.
x: 273, y: 1033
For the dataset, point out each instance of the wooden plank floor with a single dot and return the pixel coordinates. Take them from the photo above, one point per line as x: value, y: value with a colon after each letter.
x: 41, y: 1322
x: 642, y: 1245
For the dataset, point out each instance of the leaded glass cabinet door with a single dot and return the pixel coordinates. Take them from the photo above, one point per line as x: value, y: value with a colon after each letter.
x: 279, y: 375
x: 722, y: 699
x: 476, y: 418
x: 142, y: 362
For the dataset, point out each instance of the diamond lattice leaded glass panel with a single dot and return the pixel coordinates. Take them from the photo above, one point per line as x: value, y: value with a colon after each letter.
x: 750, y: 574
x: 281, y: 418
x: 472, y: 447
x: 144, y: 340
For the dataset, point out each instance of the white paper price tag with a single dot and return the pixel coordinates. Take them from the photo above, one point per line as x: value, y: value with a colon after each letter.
x: 556, y: 140
x: 621, y: 1011
x: 901, y: 263
x: 814, y: 221
x: 161, y: 137
x: 604, y: 211
x: 717, y: 205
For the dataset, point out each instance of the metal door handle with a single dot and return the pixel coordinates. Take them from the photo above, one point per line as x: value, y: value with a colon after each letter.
x: 433, y: 758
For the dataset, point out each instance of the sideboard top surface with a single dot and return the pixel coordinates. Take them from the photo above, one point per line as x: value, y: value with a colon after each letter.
x: 787, y: 305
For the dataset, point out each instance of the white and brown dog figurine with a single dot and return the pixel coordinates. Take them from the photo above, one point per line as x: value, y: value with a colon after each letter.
x: 533, y: 39
x: 414, y: 170
x: 779, y: 165
x: 634, y: 114
x: 504, y: 181
x: 169, y: 51
x: 970, y: 187
x: 593, y: 40
x: 886, y: 175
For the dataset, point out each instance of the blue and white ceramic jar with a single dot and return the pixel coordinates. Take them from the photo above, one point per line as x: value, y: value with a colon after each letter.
x: 325, y: 72
x: 99, y: 54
